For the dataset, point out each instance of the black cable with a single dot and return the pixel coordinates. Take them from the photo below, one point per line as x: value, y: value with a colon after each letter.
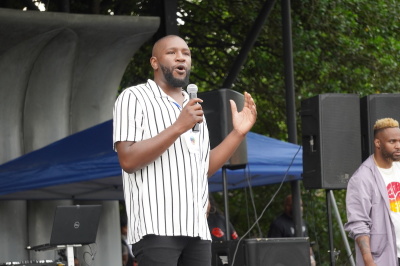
x: 248, y: 179
x: 91, y: 254
x: 266, y: 207
x: 247, y: 208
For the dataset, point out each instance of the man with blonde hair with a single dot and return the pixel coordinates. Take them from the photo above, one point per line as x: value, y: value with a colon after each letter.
x: 373, y: 200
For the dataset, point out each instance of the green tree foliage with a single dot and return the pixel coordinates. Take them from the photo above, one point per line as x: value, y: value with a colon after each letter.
x: 340, y: 46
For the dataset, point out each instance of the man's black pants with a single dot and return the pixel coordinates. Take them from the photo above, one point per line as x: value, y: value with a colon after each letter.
x: 155, y: 250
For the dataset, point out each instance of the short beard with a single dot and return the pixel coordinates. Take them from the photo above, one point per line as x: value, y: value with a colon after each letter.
x: 389, y: 156
x: 175, y: 82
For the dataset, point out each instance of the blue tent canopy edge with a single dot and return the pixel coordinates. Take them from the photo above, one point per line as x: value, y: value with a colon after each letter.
x: 88, y: 155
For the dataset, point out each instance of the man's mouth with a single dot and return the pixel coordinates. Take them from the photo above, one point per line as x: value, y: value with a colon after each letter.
x: 181, y: 69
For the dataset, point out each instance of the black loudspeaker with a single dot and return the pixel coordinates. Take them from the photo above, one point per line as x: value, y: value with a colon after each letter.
x: 374, y: 107
x: 331, y: 139
x: 217, y: 111
x: 223, y: 253
x: 277, y: 251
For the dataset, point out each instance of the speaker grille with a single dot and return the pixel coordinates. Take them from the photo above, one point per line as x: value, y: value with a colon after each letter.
x: 331, y: 136
x: 374, y: 107
x: 277, y: 251
x: 217, y: 111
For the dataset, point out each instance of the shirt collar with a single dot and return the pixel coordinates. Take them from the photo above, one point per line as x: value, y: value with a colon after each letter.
x: 158, y: 92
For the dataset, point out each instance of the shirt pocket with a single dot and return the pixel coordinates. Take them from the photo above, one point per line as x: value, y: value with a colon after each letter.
x: 378, y: 242
x: 192, y: 140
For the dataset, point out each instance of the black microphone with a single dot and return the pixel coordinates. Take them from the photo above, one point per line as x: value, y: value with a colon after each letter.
x: 192, y: 90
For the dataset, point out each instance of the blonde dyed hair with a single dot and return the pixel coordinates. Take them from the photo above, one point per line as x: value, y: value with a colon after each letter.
x: 385, y: 123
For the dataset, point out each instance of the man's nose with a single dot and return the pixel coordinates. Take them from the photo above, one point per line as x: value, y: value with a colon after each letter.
x: 179, y: 56
x: 397, y: 145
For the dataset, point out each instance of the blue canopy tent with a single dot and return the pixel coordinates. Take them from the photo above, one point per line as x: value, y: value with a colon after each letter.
x: 84, y: 166
x: 269, y: 162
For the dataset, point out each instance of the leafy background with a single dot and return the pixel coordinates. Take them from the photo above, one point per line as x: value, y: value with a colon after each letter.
x: 339, y: 46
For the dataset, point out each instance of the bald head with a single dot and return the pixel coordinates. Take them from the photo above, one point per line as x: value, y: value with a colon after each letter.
x: 162, y: 43
x: 288, y: 205
x: 171, y: 61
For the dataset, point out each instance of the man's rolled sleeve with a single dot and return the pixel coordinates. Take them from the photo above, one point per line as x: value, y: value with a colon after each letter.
x: 358, y: 207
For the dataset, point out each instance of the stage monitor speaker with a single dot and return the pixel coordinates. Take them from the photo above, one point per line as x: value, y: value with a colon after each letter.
x: 374, y: 107
x: 277, y: 251
x: 223, y: 253
x: 217, y: 110
x: 331, y: 139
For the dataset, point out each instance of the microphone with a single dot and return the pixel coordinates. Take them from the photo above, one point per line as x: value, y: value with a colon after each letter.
x: 192, y: 90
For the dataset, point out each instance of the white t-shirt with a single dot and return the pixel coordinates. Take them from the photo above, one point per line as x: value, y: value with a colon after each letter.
x: 391, y: 177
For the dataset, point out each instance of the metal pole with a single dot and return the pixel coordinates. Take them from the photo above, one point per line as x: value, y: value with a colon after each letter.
x: 339, y: 220
x: 291, y: 107
x: 70, y: 255
x: 226, y: 203
x: 248, y: 43
x: 289, y: 73
x: 332, y: 249
x: 297, y: 215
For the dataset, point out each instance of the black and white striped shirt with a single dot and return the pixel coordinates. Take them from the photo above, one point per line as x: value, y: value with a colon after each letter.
x: 168, y: 197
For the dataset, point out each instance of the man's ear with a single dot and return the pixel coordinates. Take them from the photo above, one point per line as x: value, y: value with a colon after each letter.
x: 377, y: 143
x: 154, y: 62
